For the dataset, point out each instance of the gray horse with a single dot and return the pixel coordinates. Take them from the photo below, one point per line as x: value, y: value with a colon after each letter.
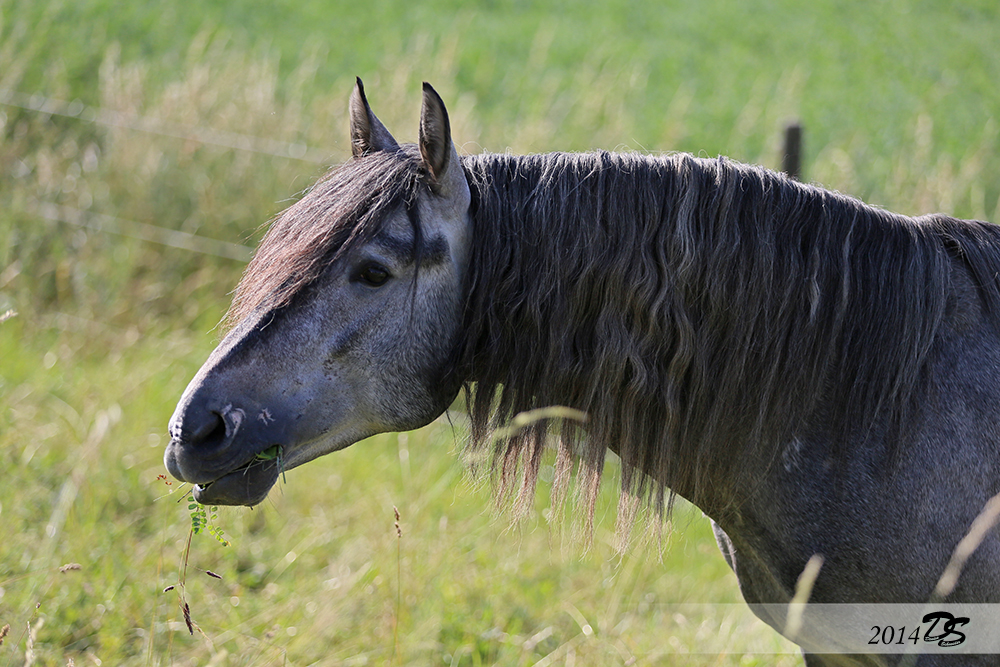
x: 819, y: 376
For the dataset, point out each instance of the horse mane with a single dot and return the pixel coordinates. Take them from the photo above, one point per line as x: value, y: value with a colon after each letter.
x: 698, y: 311
x: 347, y: 206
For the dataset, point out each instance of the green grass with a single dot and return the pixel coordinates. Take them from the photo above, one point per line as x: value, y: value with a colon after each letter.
x: 312, y: 576
x: 900, y: 107
x: 658, y: 76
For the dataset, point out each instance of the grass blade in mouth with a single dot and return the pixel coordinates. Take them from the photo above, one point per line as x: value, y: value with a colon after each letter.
x: 271, y: 453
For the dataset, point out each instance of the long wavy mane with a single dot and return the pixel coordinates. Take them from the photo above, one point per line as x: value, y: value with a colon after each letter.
x: 698, y: 311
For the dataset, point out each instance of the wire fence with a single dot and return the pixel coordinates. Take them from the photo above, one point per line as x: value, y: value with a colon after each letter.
x: 147, y: 232
x: 234, y: 140
x: 139, y: 230
x: 212, y: 137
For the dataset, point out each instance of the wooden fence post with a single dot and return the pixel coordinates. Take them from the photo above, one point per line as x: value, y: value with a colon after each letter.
x: 792, y: 161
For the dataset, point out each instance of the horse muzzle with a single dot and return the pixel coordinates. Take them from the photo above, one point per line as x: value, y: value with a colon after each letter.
x: 219, y: 450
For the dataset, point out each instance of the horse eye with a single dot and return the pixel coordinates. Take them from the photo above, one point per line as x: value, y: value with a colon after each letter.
x: 374, y: 275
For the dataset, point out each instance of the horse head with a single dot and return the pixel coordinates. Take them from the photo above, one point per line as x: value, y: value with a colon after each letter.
x: 347, y: 321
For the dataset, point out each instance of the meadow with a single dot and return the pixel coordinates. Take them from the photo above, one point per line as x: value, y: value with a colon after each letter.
x: 144, y: 146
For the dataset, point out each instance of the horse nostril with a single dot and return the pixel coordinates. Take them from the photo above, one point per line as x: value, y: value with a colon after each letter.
x: 210, y: 433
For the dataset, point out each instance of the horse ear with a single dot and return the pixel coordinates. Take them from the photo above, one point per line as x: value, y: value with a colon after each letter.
x: 436, y: 147
x: 368, y: 134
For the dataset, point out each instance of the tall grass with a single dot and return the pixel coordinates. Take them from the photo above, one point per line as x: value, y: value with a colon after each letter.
x: 174, y: 173
x: 115, y: 312
x: 730, y: 92
x: 311, y: 577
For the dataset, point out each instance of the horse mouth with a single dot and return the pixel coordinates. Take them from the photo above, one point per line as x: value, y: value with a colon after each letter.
x: 248, y: 485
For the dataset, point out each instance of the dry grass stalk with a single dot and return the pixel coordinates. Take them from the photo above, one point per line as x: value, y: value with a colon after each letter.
x: 803, y: 589
x: 982, y: 524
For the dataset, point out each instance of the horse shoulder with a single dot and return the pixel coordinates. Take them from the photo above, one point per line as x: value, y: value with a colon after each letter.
x: 887, y: 527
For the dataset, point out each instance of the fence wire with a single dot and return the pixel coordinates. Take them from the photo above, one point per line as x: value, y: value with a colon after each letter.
x: 140, y: 230
x: 233, y: 140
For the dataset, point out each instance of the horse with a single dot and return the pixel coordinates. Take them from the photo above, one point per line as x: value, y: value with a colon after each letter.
x: 819, y: 376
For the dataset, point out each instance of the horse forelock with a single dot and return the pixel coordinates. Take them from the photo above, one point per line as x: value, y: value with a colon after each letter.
x: 348, y: 206
x: 698, y: 311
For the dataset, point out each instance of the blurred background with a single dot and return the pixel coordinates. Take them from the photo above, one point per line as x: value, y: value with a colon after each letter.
x: 144, y: 146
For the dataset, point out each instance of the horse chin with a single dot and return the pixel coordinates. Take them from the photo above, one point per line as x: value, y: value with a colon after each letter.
x: 247, y: 486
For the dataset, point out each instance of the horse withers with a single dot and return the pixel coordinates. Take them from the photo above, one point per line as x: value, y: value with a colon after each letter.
x: 821, y: 377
